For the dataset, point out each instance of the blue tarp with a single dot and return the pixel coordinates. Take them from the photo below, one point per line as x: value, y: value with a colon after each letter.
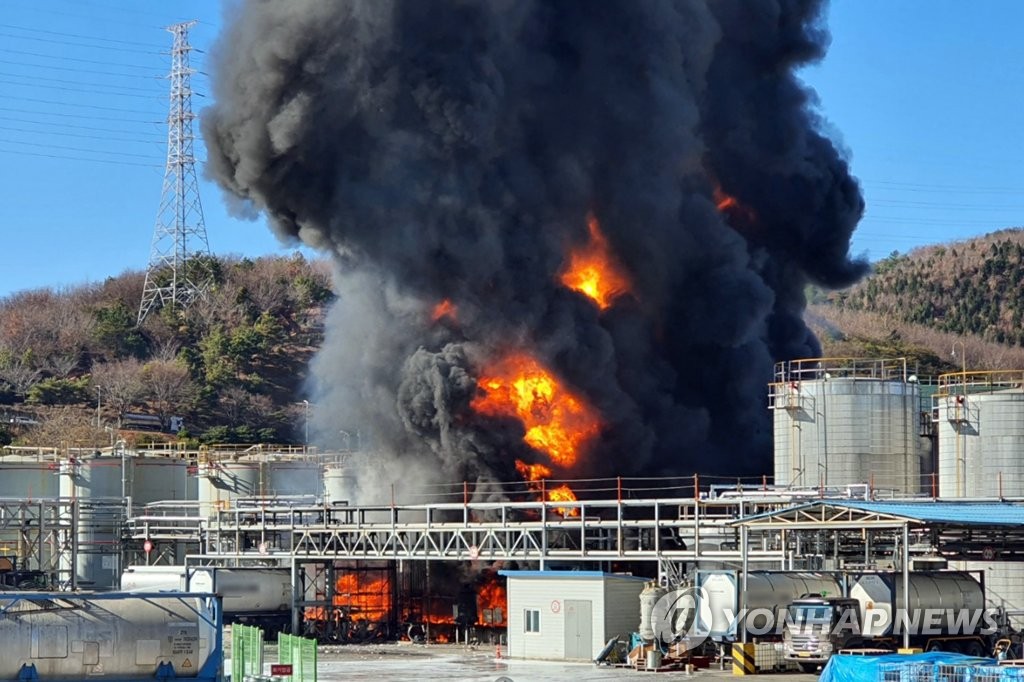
x: 848, y: 668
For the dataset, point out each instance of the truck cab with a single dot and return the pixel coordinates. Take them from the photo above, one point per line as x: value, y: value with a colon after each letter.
x: 817, y: 626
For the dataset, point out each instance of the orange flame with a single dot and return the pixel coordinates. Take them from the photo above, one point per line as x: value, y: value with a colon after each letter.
x: 729, y: 205
x: 444, y: 309
x: 593, y: 270
x: 557, y: 422
x: 563, y: 493
x: 491, y: 596
x: 363, y: 599
x: 532, y: 472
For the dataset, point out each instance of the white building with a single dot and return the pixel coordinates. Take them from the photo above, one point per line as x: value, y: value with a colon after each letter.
x: 569, y: 614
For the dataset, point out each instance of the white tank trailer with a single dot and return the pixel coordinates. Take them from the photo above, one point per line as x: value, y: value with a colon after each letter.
x: 840, y: 422
x: 719, y: 600
x: 946, y: 593
x: 255, y: 596
x: 946, y: 612
x: 109, y: 637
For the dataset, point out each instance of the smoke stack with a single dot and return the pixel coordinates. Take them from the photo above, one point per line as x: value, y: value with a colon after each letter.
x: 471, y: 153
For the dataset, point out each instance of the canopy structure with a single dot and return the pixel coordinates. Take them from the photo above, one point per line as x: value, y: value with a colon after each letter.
x: 961, y: 530
x: 978, y: 531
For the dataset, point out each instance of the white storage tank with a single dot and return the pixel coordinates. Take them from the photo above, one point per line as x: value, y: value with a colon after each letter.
x: 294, y: 477
x: 225, y: 479
x: 95, y: 483
x: 156, y: 478
x: 980, y: 422
x: 339, y: 482
x: 840, y: 422
x: 221, y: 481
x: 30, y: 474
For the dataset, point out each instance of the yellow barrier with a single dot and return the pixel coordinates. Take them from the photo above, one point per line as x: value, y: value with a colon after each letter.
x: 743, y: 659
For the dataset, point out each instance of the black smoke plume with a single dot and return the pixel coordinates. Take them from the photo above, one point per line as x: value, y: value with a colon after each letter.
x: 446, y: 149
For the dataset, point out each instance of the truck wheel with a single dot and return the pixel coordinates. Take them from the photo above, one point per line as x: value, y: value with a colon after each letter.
x: 974, y: 648
x: 934, y: 645
x: 809, y: 668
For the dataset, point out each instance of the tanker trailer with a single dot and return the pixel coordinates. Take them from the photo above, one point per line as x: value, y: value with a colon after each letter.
x: 109, y: 636
x: 254, y: 596
x: 769, y: 593
x: 946, y: 613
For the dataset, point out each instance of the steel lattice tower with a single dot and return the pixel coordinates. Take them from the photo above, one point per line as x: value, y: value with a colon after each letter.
x: 179, y: 268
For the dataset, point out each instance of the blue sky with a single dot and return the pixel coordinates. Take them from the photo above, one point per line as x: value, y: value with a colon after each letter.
x: 925, y: 94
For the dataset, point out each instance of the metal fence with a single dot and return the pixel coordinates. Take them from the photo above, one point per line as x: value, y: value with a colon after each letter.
x: 946, y: 672
x: 246, y: 652
x: 300, y: 653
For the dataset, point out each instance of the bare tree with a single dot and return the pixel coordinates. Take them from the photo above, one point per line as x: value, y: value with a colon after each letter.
x: 169, y: 388
x: 61, y: 365
x: 18, y: 373
x: 232, y: 403
x: 120, y: 383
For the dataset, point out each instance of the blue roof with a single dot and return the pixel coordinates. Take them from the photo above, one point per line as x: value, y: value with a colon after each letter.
x: 570, y: 574
x: 928, y: 511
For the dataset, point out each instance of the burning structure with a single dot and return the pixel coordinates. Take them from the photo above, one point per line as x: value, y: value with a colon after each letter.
x: 571, y: 238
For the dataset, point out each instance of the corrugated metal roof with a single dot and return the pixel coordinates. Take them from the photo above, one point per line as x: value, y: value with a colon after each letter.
x: 570, y: 574
x: 924, y: 511
x: 955, y: 513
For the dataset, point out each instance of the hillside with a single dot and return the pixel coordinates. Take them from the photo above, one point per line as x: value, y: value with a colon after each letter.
x: 232, y: 365
x: 923, y: 303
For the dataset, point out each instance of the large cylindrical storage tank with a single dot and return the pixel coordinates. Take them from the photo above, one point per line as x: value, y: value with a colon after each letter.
x: 158, y: 478
x: 28, y: 474
x: 221, y: 481
x: 298, y: 477
x: 77, y: 637
x: 981, y: 434
x: 25, y: 474
x: 95, y: 483
x: 841, y: 422
x: 339, y: 482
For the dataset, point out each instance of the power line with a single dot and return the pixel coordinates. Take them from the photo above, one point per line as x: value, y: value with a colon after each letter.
x: 34, y: 78
x: 896, y: 203
x: 76, y: 59
x: 76, y: 35
x: 92, y: 71
x: 158, y: 136
x: 96, y: 118
x: 76, y: 104
x: 74, y: 149
x: 89, y: 137
x: 962, y: 189
x: 65, y: 42
x: 63, y: 157
x: 62, y: 88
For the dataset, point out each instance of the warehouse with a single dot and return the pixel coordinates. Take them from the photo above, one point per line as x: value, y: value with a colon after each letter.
x: 569, y: 614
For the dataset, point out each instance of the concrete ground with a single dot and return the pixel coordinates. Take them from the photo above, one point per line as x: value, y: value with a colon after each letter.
x: 419, y: 663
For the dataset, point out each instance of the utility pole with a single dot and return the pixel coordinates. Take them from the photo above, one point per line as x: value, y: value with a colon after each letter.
x: 179, y: 268
x: 305, y: 404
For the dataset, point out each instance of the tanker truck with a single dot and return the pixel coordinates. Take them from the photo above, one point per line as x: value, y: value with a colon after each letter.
x: 946, y: 613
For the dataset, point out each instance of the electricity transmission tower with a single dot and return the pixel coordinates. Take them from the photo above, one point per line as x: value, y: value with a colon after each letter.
x: 179, y: 260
